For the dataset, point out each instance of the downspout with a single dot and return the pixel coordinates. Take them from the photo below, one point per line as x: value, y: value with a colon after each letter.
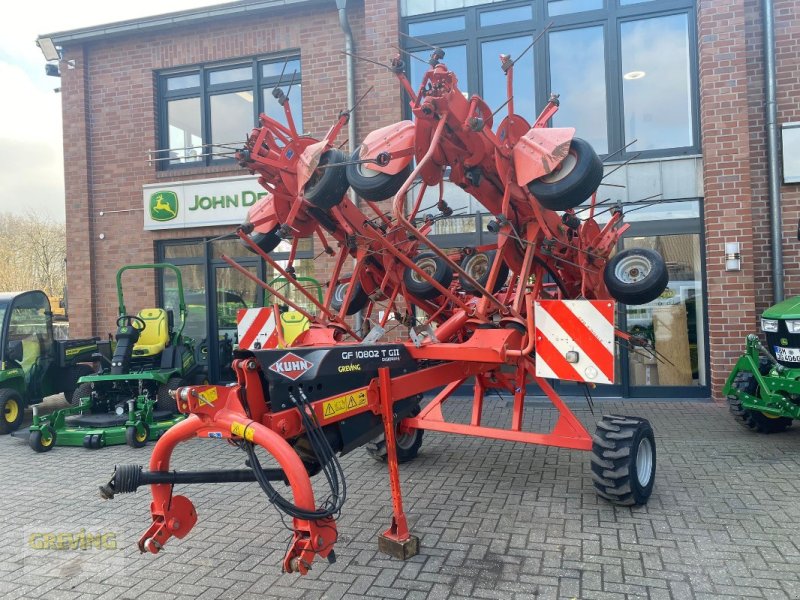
x: 344, y: 23
x: 776, y: 233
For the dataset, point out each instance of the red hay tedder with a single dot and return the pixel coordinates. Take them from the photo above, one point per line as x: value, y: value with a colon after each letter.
x: 538, y: 304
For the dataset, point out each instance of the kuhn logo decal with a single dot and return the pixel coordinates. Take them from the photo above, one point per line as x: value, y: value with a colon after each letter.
x: 291, y: 366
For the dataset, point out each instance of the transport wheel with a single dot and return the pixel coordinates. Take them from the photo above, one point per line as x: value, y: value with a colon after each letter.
x: 267, y: 242
x: 163, y: 400
x: 84, y: 390
x: 436, y: 268
x: 636, y: 276
x: 327, y: 186
x: 371, y: 184
x: 95, y: 441
x: 357, y: 302
x: 42, y: 440
x: 745, y: 381
x: 136, y: 439
x: 408, y: 443
x: 624, y: 460
x: 11, y: 410
x: 575, y: 180
x: 478, y: 266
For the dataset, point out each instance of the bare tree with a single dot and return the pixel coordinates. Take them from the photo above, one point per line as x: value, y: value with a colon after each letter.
x: 32, y: 253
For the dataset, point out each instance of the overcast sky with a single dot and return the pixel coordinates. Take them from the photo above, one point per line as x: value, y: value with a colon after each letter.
x: 31, y: 152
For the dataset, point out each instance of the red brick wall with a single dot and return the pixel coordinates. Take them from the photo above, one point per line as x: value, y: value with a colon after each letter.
x: 735, y: 166
x: 110, y: 109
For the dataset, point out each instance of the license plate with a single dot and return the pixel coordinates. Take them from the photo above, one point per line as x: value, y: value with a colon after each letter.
x: 787, y: 354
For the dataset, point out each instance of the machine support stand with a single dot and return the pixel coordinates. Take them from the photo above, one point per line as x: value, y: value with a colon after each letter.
x: 395, y: 541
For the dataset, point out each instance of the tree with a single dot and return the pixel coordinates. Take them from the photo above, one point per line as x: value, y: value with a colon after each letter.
x: 32, y: 253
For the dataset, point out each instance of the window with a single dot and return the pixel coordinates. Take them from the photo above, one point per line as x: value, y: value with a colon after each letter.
x: 207, y: 111
x: 625, y: 70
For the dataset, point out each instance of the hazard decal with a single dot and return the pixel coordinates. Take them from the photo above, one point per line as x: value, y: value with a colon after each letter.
x: 575, y: 340
x: 291, y: 366
x: 344, y: 404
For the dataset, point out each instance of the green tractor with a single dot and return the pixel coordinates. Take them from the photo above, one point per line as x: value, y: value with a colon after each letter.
x: 130, y: 400
x: 33, y: 364
x: 763, y: 390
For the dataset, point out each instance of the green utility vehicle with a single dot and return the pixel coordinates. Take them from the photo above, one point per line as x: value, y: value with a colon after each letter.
x: 129, y: 401
x: 763, y: 389
x: 34, y: 365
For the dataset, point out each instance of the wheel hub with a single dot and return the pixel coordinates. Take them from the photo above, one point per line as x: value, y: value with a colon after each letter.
x: 633, y: 269
x: 644, y: 462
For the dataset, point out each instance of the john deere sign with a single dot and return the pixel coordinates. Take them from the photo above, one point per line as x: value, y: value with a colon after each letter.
x: 199, y: 203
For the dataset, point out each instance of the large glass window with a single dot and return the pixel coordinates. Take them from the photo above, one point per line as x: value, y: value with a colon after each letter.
x: 206, y: 112
x: 624, y: 69
x: 655, y: 82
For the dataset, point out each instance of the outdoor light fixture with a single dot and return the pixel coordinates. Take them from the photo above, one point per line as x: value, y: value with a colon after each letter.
x: 49, y: 49
x: 733, y: 257
x: 632, y: 75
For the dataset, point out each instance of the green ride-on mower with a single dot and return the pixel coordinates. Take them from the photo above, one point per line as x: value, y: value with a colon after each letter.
x: 129, y: 401
x: 33, y: 364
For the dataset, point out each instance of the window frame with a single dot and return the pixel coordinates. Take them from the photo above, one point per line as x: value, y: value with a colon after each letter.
x: 610, y: 17
x: 205, y: 90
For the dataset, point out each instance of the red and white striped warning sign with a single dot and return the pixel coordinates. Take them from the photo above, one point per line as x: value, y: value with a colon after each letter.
x: 256, y: 328
x: 575, y: 340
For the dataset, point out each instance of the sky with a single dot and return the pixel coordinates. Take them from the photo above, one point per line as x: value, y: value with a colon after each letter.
x: 31, y: 141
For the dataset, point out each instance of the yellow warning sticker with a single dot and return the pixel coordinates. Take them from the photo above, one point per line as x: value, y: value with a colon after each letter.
x: 208, y: 396
x: 343, y: 404
x: 244, y: 431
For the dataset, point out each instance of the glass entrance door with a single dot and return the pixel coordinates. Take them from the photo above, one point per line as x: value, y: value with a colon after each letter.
x: 233, y: 291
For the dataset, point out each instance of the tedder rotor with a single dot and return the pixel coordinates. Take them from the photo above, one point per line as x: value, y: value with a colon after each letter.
x: 537, y: 305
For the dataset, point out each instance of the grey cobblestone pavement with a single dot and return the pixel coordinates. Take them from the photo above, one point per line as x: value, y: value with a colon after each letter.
x: 495, y: 520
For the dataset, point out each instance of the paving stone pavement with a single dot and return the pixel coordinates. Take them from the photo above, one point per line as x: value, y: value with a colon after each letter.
x: 495, y: 520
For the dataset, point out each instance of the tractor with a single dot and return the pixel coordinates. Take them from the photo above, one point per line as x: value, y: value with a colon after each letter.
x: 33, y: 364
x: 129, y: 400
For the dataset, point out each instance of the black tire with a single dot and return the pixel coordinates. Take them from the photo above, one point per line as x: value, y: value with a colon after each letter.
x: 42, y: 440
x: 12, y: 410
x: 84, y: 390
x: 95, y: 441
x: 636, y: 276
x: 163, y: 400
x: 267, y: 242
x: 326, y: 187
x: 134, y: 439
x: 357, y: 302
x: 437, y: 268
x: 374, y: 185
x: 624, y: 460
x: 575, y: 181
x: 754, y: 420
x: 75, y: 373
x: 407, y: 445
x: 478, y: 265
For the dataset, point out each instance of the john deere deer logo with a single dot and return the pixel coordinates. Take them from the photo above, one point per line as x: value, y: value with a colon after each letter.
x: 164, y: 206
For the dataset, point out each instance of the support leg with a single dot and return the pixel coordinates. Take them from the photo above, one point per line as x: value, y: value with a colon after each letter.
x: 395, y: 541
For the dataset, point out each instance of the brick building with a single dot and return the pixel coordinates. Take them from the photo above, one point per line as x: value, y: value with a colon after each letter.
x: 670, y: 92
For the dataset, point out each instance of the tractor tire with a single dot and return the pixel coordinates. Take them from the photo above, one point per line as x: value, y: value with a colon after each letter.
x: 327, y: 187
x: 136, y: 440
x: 374, y: 185
x: 436, y: 268
x: 478, y: 266
x: 577, y: 178
x: 624, y: 460
x: 636, y: 276
x: 407, y: 445
x: 754, y: 420
x: 84, y: 390
x: 42, y: 440
x: 163, y: 400
x: 75, y: 373
x: 266, y: 242
x: 357, y: 302
x: 12, y: 410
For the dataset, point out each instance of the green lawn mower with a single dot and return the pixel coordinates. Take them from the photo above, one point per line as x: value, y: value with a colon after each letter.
x: 763, y: 390
x: 33, y: 364
x: 129, y: 401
